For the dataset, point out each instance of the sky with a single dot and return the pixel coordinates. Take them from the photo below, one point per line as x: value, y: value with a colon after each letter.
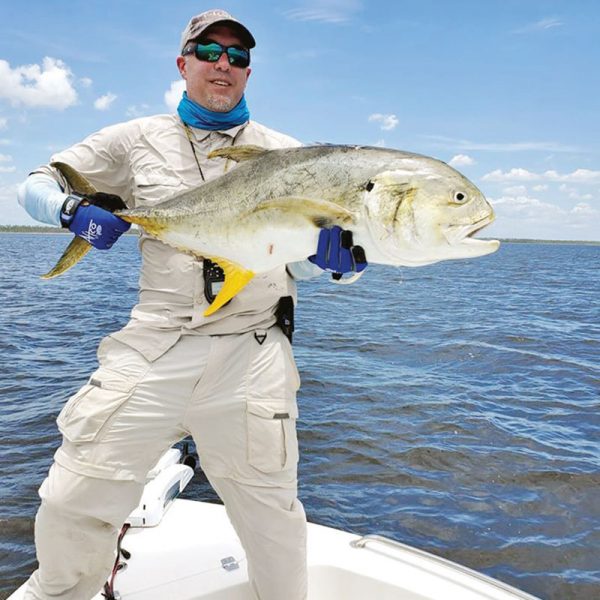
x: 506, y: 91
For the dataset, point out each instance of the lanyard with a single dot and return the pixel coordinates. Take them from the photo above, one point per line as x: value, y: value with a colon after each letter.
x: 191, y: 141
x: 189, y: 137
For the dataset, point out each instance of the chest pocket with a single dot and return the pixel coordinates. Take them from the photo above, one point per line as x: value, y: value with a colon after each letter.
x: 153, y: 187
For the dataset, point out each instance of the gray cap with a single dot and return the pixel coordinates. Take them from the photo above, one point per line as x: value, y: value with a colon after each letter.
x: 204, y: 20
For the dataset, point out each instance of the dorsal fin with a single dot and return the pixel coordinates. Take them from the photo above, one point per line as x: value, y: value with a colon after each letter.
x: 238, y: 153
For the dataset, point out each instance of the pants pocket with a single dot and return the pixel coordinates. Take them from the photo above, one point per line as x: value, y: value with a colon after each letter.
x: 272, y: 441
x: 86, y: 412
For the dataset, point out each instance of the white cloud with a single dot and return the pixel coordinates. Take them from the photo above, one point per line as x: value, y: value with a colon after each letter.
x: 380, y: 143
x: 174, y: 93
x: 5, y: 158
x: 542, y: 187
x: 515, y: 190
x: 86, y: 82
x: 325, y: 11
x: 461, y: 160
x: 523, y: 216
x: 512, y: 175
x: 388, y: 122
x: 548, y: 23
x: 525, y: 206
x: 3, y: 122
x: 573, y: 193
x: 578, y: 176
x: 135, y: 111
x: 50, y: 85
x: 541, y: 25
x: 583, y: 209
x: 104, y: 102
x: 8, y: 169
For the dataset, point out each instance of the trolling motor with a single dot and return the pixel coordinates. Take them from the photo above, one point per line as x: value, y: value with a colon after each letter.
x: 164, y: 482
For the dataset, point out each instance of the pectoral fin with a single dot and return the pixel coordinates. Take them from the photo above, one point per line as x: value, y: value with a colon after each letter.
x: 238, y: 153
x: 74, y: 252
x: 321, y: 213
x: 236, y: 278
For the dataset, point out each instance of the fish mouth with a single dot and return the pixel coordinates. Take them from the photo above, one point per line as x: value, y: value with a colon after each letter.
x: 479, y: 225
x: 463, y: 235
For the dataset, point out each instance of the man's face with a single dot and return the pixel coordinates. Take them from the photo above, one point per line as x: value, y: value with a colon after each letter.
x: 217, y: 86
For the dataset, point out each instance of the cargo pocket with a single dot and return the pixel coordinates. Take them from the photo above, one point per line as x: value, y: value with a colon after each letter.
x: 272, y: 441
x: 272, y: 373
x: 85, y: 413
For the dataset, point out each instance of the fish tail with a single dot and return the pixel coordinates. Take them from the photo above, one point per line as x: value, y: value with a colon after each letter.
x: 74, y: 252
x: 78, y: 247
x: 77, y: 182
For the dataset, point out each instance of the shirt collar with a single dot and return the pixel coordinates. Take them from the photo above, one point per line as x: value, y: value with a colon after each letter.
x: 202, y: 134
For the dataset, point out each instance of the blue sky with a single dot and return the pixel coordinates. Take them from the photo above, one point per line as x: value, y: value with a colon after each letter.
x: 507, y: 91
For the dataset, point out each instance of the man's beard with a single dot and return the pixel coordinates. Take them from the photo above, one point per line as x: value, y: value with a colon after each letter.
x: 220, y: 103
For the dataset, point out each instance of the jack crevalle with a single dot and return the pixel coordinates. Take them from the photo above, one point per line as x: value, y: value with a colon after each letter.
x: 404, y: 209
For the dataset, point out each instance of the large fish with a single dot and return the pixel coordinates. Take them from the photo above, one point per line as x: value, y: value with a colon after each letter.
x: 404, y: 209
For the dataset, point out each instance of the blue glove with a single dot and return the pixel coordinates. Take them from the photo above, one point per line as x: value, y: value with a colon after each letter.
x: 96, y: 225
x: 336, y: 253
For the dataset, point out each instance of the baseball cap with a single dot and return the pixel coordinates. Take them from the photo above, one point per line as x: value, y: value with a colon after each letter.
x: 201, y: 22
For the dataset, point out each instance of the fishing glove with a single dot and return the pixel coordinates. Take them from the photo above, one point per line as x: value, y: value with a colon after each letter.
x: 90, y: 218
x: 336, y: 253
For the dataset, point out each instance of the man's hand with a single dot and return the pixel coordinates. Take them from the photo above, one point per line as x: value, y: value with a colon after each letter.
x: 96, y: 225
x: 337, y: 254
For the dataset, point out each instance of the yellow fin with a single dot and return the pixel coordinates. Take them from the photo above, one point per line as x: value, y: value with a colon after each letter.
x: 74, y: 252
x: 236, y: 278
x: 77, y: 182
x: 321, y: 213
x: 238, y: 153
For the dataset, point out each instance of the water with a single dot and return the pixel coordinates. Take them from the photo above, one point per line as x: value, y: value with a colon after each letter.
x: 452, y: 407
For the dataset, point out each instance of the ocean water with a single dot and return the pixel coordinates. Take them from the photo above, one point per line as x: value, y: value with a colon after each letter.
x: 453, y: 407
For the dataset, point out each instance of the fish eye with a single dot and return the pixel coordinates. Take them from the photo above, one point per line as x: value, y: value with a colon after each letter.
x: 460, y: 197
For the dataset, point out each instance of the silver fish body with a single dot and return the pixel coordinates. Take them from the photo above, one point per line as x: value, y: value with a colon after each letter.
x: 403, y: 209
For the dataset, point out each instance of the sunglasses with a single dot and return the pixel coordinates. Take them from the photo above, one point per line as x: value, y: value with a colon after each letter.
x: 212, y: 51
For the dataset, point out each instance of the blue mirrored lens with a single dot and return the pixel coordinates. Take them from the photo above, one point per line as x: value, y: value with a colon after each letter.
x: 238, y: 57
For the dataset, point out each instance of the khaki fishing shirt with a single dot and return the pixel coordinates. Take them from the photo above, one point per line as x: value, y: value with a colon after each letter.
x: 145, y: 161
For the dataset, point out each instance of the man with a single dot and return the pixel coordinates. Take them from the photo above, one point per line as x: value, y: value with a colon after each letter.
x: 229, y: 380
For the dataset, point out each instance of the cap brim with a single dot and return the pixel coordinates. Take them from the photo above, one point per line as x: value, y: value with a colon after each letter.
x: 245, y: 35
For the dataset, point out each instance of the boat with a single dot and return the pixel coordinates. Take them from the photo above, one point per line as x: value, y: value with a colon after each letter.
x: 177, y: 549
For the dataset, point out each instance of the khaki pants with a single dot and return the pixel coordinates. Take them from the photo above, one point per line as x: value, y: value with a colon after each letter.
x: 236, y: 397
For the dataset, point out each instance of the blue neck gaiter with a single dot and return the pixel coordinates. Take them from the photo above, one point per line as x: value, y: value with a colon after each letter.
x: 195, y: 115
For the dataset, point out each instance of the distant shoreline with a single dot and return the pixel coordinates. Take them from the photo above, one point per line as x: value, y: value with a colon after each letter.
x: 58, y: 230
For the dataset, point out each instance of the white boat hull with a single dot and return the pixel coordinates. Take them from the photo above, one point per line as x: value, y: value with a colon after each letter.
x: 188, y: 550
